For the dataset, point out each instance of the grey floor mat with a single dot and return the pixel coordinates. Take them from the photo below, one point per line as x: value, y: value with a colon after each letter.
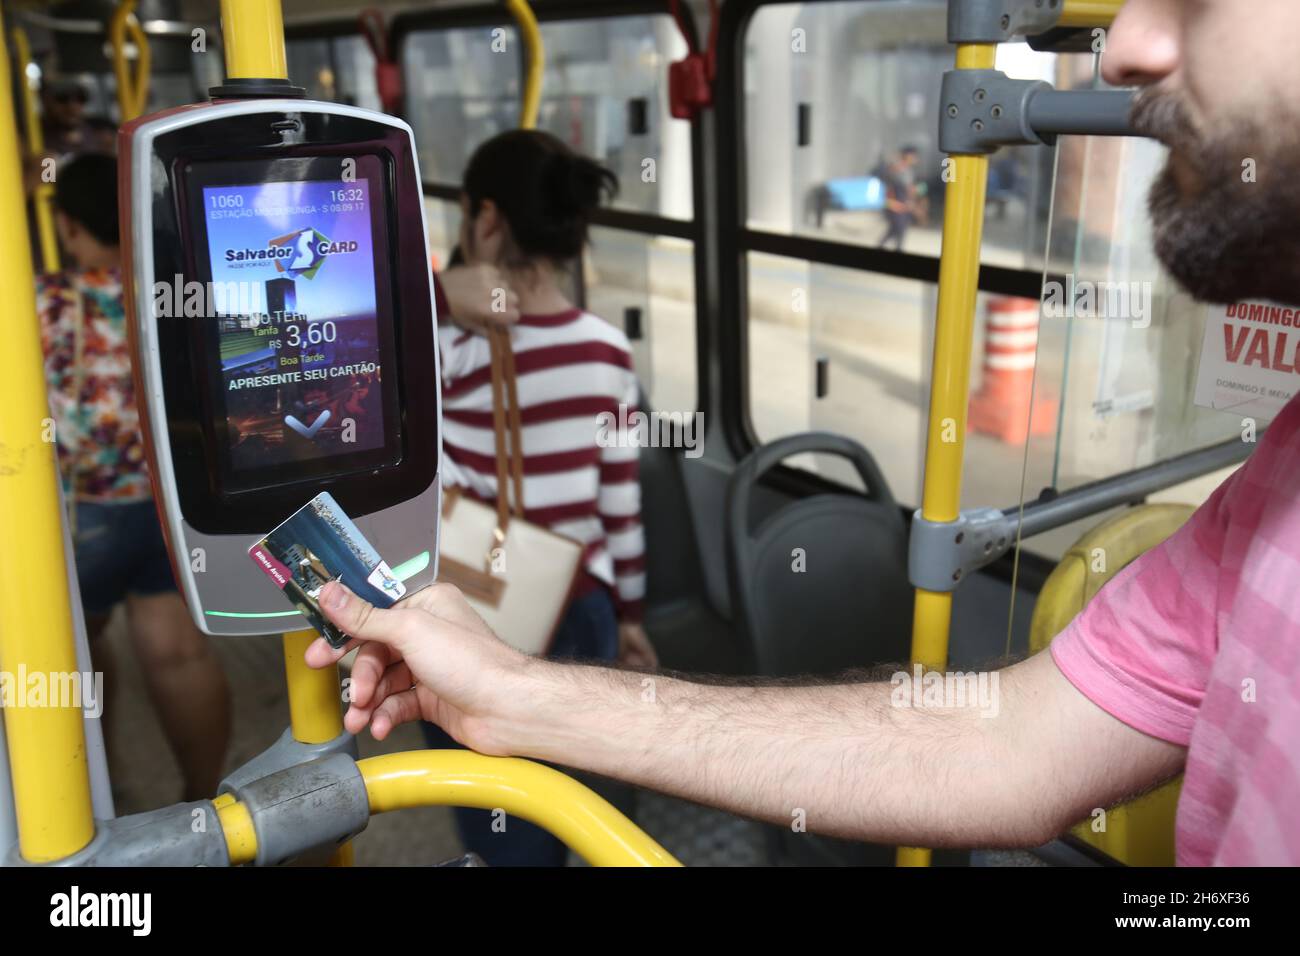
x: 699, y: 836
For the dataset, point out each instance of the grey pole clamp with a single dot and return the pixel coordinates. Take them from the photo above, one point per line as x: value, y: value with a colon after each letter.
x: 982, y: 110
x: 310, y: 806
x: 940, y: 554
x: 286, y: 752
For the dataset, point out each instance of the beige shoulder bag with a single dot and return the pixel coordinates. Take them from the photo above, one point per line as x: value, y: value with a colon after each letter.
x: 517, y: 575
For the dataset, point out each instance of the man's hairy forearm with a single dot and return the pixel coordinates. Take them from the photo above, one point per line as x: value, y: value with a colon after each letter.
x: 842, y: 758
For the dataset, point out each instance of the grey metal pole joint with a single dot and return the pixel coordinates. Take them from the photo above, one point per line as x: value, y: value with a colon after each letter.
x: 995, y: 21
x: 982, y: 110
x: 185, y: 834
x: 307, y: 808
x: 286, y: 752
x: 941, y: 554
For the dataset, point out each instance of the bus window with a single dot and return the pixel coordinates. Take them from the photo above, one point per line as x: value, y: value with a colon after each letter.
x: 311, y: 67
x: 605, y: 93
x: 840, y: 101
x: 646, y: 285
x: 354, y: 68
x: 442, y: 224
x: 339, y: 68
x: 871, y: 336
x: 462, y: 87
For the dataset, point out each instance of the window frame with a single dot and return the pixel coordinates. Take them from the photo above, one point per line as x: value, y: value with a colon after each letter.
x: 737, y: 239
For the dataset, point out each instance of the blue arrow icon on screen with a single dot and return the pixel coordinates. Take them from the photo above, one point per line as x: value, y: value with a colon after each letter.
x: 305, y: 431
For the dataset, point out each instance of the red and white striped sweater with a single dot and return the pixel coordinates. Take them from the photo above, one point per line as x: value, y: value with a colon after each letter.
x: 570, y: 367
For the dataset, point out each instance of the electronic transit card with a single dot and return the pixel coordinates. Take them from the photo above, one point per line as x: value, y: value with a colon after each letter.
x: 319, y: 544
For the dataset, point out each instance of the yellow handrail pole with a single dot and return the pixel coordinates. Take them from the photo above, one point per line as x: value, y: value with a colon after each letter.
x: 315, y: 712
x: 121, y: 71
x: 253, y: 33
x: 954, y: 329
x: 47, y: 742
x: 531, y: 35
x: 1089, y: 13
x: 584, y: 821
x: 132, y: 89
x: 43, y: 193
x: 143, y: 63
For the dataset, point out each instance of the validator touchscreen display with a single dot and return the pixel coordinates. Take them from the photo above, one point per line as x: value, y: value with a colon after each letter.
x: 299, y: 357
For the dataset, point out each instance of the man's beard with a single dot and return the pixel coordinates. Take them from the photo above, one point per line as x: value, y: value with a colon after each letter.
x: 1234, y: 239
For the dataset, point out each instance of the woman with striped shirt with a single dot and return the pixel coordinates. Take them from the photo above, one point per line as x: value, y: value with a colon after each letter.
x: 525, y: 206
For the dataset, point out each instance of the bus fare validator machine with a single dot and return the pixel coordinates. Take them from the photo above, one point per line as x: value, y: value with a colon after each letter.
x: 283, y: 331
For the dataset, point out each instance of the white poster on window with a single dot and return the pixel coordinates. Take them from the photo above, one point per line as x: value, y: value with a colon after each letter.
x: 1250, y: 358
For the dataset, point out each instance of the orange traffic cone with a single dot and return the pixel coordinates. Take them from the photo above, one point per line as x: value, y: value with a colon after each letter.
x: 1004, y: 403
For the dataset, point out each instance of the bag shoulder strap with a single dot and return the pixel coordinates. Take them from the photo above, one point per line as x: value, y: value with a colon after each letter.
x: 506, y: 417
x: 515, y: 416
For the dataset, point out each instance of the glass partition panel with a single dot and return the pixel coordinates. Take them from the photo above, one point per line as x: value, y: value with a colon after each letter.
x: 1120, y: 344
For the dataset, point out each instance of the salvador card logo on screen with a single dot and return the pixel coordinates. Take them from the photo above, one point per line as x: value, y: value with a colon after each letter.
x: 299, y: 253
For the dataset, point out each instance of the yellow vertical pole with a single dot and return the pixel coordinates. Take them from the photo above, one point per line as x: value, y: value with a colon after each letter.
x: 314, y: 695
x: 531, y: 35
x: 46, y: 737
x: 954, y: 329
x: 253, y: 34
x: 43, y: 194
x: 132, y: 86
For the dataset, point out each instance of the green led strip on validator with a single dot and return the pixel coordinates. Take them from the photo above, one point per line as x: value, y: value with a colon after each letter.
x: 403, y: 572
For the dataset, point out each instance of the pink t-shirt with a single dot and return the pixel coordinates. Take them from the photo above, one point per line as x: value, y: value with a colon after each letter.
x: 1198, y: 643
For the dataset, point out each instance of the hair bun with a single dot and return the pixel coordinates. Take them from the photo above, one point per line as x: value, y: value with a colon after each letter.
x: 546, y: 192
x: 575, y: 185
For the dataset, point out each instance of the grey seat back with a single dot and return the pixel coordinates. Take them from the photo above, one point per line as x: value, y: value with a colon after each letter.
x: 820, y: 585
